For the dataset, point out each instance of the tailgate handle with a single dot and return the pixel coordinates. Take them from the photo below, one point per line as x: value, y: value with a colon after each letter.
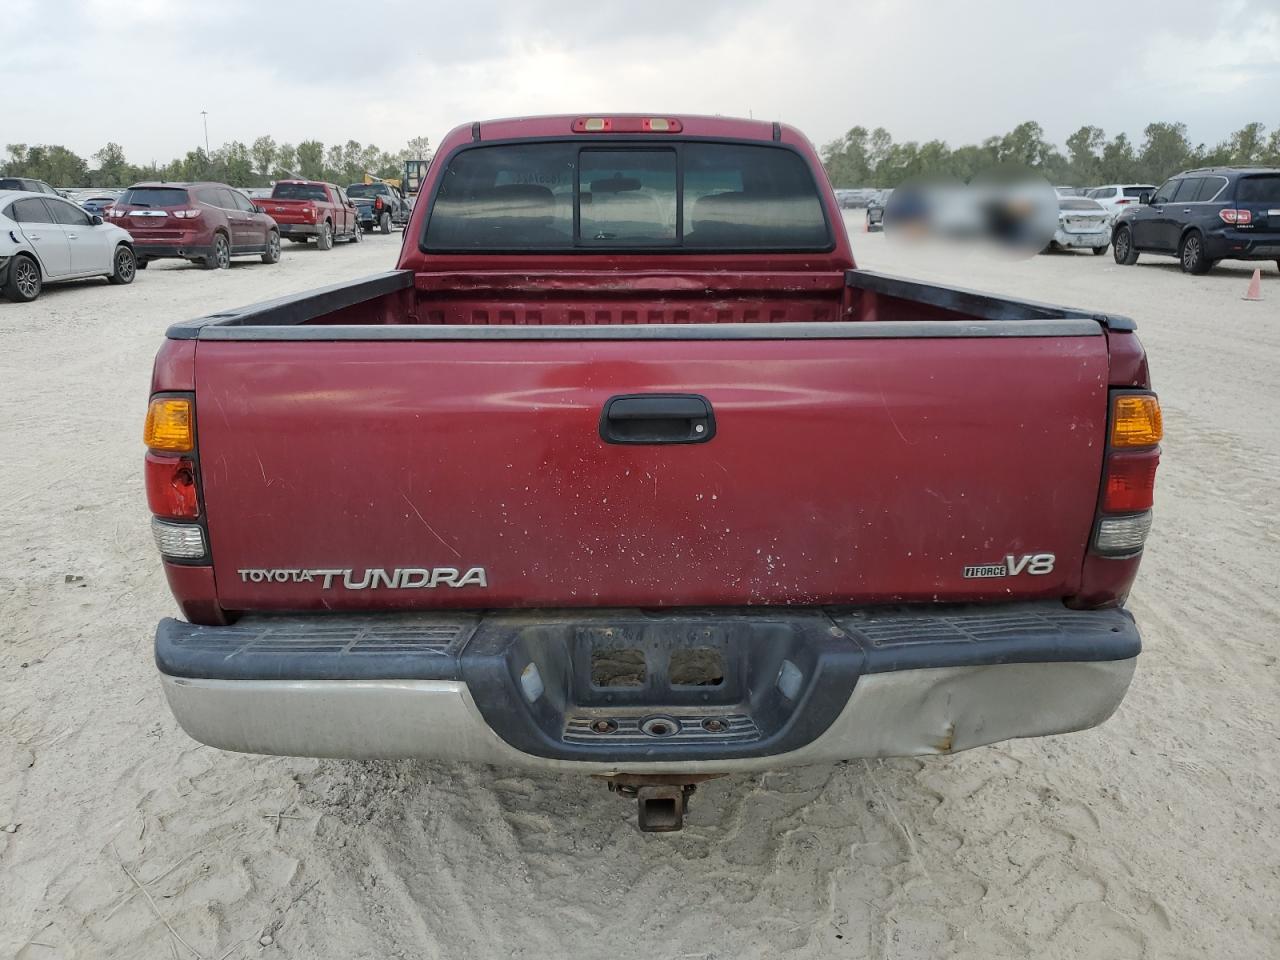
x: 657, y: 418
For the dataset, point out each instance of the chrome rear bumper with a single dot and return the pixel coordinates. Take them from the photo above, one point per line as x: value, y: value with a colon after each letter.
x: 876, y: 686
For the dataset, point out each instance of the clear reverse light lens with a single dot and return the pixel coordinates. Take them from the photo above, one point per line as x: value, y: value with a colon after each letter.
x: 1122, y: 535
x: 181, y: 541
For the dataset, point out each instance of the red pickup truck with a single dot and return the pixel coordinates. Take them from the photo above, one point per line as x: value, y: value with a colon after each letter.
x: 627, y: 469
x: 312, y: 210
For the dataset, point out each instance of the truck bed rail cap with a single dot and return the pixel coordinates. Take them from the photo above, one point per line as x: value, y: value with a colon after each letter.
x: 975, y: 302
x: 856, y: 330
x: 295, y: 309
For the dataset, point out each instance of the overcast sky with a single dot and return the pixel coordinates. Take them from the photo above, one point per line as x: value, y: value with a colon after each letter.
x: 90, y: 71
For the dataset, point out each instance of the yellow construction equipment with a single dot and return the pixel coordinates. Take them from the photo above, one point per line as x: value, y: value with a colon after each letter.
x: 370, y: 178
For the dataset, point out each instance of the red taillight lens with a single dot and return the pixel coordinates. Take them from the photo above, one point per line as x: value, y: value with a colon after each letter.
x: 188, y: 213
x: 377, y: 204
x: 171, y: 487
x: 1130, y: 482
x: 1236, y: 216
x: 1129, y: 475
x: 1122, y: 201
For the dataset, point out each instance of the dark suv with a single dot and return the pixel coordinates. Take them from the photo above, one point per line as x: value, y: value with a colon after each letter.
x: 206, y: 223
x: 26, y: 183
x: 1203, y: 216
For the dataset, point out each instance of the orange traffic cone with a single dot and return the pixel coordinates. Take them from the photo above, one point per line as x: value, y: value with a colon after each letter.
x: 1255, y: 286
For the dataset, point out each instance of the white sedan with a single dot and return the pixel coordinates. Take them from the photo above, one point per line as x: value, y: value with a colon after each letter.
x: 45, y: 238
x: 1082, y: 223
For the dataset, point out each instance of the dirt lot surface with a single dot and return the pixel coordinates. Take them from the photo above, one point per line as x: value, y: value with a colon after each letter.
x: 1156, y: 835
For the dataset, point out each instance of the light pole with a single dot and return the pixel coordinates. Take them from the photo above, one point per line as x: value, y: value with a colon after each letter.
x: 205, y: 115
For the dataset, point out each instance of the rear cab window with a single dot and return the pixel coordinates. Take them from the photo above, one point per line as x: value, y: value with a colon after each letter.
x: 591, y: 196
x: 298, y: 191
x: 154, y: 197
x: 1137, y: 191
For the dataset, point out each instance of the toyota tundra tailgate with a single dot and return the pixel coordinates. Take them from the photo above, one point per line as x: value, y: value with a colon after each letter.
x: 859, y: 464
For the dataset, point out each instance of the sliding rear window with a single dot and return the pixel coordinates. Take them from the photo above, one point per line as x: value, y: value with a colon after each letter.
x: 528, y: 197
x: 154, y: 197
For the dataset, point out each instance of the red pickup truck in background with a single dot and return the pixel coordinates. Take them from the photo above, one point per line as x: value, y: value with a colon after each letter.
x: 627, y: 469
x: 312, y: 210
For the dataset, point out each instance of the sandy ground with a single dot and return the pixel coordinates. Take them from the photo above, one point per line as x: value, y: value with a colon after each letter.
x: 1157, y: 835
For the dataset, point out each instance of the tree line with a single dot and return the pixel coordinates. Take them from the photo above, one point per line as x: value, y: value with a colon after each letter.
x: 863, y: 158
x: 236, y: 163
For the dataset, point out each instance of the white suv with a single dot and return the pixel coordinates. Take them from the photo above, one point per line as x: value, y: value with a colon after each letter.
x: 1116, y: 196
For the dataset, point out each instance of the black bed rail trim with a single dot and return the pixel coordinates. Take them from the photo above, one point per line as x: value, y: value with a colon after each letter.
x: 296, y: 309
x: 975, y: 303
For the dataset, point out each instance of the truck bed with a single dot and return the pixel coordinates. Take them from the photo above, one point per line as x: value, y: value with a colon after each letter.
x: 639, y: 298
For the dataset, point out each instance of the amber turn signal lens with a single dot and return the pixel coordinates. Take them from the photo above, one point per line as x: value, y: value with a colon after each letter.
x: 1136, y: 422
x: 169, y: 425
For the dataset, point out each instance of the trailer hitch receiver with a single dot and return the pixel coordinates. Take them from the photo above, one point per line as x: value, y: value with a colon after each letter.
x: 661, y: 799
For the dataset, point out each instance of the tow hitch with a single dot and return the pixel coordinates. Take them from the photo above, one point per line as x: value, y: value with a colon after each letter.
x: 661, y: 799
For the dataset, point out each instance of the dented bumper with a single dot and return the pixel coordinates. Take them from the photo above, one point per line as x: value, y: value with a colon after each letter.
x: 523, y: 690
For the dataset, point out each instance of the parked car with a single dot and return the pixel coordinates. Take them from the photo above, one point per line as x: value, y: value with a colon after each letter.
x: 1082, y: 223
x: 810, y: 515
x: 44, y: 239
x: 98, y: 203
x: 875, y: 210
x: 1116, y: 196
x: 854, y: 197
x: 1203, y: 216
x: 27, y: 184
x: 312, y: 210
x: 379, y: 205
x: 206, y: 223
x: 257, y: 193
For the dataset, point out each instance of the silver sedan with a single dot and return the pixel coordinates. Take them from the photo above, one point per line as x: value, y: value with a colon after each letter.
x: 45, y: 239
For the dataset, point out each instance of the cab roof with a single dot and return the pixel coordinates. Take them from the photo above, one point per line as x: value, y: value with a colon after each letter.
x: 561, y: 125
x: 176, y: 184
